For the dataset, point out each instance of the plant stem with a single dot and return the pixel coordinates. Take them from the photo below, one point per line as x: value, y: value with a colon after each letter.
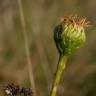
x: 27, y: 51
x: 58, y: 75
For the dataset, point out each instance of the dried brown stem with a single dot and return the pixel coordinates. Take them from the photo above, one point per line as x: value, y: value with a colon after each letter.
x: 27, y: 51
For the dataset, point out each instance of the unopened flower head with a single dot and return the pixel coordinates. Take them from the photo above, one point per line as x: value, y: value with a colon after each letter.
x: 69, y: 35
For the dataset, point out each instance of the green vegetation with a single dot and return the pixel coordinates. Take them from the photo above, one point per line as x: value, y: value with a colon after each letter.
x: 41, y: 16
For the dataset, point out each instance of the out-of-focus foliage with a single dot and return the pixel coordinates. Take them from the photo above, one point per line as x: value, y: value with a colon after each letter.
x: 41, y: 16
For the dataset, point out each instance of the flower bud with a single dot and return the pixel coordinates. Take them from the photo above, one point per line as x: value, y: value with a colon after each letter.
x: 69, y: 35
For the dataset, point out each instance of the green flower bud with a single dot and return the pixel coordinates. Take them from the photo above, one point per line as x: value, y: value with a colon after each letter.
x: 69, y: 35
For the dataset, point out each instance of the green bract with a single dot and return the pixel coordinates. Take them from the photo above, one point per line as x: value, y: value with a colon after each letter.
x: 69, y: 35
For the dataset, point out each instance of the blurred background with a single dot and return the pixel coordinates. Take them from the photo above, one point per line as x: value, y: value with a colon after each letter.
x: 41, y: 16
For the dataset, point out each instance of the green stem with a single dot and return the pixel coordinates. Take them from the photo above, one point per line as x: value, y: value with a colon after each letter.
x: 59, y: 71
